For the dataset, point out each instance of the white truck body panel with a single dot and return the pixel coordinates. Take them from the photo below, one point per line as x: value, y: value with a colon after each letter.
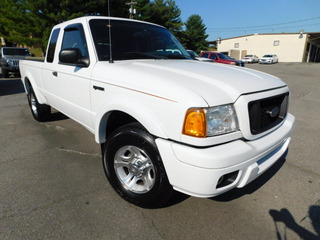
x: 158, y: 93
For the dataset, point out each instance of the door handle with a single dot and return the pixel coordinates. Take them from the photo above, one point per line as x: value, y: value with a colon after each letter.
x: 98, y: 88
x: 55, y: 74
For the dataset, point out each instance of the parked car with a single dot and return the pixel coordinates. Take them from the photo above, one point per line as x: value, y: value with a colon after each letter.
x: 269, y: 58
x: 240, y: 61
x: 10, y: 57
x: 221, y: 58
x: 164, y: 121
x: 194, y: 55
x: 250, y: 58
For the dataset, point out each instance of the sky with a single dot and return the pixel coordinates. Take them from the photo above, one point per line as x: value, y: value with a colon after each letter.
x: 233, y: 18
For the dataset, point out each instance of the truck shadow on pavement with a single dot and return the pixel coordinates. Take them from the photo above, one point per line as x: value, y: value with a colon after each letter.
x: 9, y: 87
x: 57, y: 116
x: 285, y: 217
x: 254, y: 185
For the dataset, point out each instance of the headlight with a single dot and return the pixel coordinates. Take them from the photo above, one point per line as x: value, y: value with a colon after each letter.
x: 211, y: 121
x: 9, y: 61
x: 233, y: 63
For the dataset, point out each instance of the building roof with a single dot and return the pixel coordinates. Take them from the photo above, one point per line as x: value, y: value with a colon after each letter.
x: 313, y: 35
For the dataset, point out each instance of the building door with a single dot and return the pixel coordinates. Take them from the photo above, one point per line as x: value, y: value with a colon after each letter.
x: 243, y: 53
x: 235, y: 54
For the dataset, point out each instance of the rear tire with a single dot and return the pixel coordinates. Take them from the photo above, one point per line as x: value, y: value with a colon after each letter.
x: 40, y: 112
x: 134, y: 168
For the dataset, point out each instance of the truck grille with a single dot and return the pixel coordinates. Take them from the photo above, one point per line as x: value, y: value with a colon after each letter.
x: 15, y: 62
x: 266, y: 113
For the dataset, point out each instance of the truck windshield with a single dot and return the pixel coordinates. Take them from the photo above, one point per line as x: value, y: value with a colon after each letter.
x: 16, y: 52
x: 134, y: 40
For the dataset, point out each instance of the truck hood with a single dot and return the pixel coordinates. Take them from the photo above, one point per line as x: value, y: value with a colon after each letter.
x: 216, y: 83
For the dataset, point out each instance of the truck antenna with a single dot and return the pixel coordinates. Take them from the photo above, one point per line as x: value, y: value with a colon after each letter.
x: 109, y: 25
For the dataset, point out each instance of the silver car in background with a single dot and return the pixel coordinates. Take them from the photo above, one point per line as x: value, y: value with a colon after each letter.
x: 250, y: 58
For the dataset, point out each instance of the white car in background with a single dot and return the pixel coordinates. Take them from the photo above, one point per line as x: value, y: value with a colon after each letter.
x: 269, y: 58
x: 250, y: 58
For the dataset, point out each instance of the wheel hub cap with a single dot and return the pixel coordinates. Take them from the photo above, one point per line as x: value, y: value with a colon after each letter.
x: 34, y: 105
x: 134, y: 169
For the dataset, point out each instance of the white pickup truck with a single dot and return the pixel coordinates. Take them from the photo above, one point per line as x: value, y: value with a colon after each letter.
x: 164, y: 120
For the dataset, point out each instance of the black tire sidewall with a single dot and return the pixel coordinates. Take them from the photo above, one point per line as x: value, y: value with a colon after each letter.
x: 135, y: 136
x: 42, y: 109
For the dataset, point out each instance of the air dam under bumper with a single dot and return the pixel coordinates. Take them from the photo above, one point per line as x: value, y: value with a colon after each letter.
x: 196, y: 171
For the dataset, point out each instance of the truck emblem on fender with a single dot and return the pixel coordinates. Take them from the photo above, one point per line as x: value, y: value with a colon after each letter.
x: 274, y: 112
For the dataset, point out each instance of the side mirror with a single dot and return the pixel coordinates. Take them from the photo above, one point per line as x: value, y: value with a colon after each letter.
x: 73, y: 56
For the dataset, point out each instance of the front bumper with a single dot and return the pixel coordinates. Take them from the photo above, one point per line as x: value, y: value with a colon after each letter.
x: 265, y: 61
x: 197, y: 171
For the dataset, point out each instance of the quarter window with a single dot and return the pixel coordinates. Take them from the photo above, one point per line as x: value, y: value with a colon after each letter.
x: 52, y: 45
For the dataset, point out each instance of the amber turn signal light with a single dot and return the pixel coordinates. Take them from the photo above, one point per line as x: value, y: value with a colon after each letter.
x: 195, y: 123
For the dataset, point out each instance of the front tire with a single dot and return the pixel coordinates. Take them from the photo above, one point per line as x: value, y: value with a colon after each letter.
x: 134, y: 168
x: 40, y: 112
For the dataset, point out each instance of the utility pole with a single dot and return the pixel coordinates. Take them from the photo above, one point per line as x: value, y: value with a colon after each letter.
x: 132, y: 10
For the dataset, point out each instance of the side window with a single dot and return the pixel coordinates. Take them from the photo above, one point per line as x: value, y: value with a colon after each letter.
x: 205, y: 55
x: 213, y: 57
x: 74, y: 38
x: 52, y: 45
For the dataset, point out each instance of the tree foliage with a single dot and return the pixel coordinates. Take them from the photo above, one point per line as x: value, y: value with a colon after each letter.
x: 163, y: 12
x: 29, y: 22
x: 194, y: 37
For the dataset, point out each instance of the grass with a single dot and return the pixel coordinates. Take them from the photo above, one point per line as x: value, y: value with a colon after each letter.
x: 36, y: 51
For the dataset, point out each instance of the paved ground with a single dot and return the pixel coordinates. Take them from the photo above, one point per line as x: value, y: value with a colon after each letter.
x: 52, y: 185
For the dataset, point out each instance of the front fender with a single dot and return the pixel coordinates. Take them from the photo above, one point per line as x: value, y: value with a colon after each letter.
x: 132, y: 107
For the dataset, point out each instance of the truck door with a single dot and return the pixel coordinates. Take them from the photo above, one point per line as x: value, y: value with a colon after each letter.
x: 68, y: 85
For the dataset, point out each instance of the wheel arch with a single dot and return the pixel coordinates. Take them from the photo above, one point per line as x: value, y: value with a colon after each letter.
x: 110, y: 119
x: 28, y: 83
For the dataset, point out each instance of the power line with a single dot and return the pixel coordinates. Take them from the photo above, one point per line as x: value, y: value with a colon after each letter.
x: 261, y: 29
x: 267, y: 25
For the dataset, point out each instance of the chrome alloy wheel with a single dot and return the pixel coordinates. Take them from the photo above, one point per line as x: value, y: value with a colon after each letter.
x: 134, y: 169
x: 33, y: 103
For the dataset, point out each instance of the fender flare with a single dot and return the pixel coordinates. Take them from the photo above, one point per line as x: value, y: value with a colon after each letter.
x: 28, y: 77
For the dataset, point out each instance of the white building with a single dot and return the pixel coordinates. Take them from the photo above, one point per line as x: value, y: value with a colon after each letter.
x: 290, y: 47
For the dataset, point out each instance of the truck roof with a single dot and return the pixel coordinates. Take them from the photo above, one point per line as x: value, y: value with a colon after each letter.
x: 88, y: 18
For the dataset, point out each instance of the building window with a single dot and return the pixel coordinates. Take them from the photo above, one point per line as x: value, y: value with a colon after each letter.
x: 236, y: 45
x: 276, y: 43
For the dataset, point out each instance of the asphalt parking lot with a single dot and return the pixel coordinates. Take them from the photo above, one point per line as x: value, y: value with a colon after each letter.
x: 52, y: 184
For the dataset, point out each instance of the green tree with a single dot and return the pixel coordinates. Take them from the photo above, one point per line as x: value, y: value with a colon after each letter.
x: 163, y: 12
x: 30, y: 21
x: 194, y: 36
